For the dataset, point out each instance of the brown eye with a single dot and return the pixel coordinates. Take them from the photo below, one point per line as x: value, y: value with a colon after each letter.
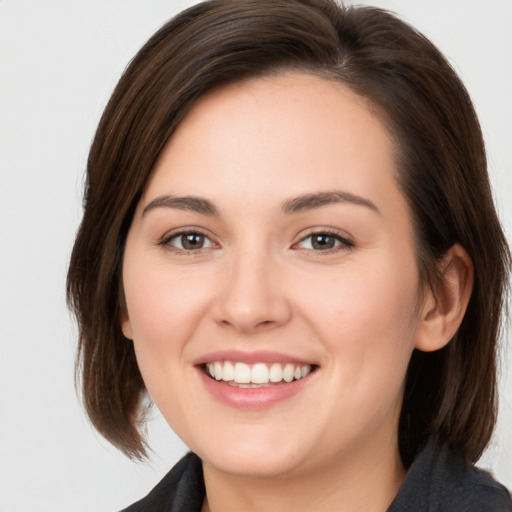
x: 324, y: 242
x: 190, y: 241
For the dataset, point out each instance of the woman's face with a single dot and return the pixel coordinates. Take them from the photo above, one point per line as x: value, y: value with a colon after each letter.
x: 272, y: 243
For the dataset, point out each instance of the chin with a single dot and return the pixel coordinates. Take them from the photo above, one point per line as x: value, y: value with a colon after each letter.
x: 253, y: 464
x: 253, y: 457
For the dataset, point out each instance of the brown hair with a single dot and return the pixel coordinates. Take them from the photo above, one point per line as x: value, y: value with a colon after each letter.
x: 441, y: 168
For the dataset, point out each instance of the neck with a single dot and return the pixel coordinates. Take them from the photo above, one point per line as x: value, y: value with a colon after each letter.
x: 368, y: 481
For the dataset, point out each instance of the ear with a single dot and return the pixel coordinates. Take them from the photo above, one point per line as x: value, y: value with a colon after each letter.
x: 444, y: 307
x: 126, y: 325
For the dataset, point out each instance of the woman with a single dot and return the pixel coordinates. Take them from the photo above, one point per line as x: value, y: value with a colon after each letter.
x: 289, y: 242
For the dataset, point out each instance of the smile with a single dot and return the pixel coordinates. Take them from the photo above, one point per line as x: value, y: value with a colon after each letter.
x: 255, y: 380
x: 260, y: 374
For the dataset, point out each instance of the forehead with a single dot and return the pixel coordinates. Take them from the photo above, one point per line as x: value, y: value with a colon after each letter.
x: 292, y: 133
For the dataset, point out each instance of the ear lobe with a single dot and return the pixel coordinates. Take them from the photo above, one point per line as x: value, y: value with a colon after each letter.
x: 445, y: 306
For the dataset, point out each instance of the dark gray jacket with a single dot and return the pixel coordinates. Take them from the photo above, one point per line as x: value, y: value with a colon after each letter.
x: 437, y: 481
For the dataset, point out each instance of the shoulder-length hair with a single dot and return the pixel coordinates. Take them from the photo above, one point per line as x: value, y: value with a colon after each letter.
x: 441, y: 169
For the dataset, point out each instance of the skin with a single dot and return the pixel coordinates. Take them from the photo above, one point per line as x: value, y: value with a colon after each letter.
x: 355, y: 310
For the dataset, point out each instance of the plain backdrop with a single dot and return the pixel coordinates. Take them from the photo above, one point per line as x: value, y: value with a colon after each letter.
x: 59, y: 61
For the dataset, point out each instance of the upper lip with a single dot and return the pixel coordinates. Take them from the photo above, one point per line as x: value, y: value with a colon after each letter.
x: 263, y: 356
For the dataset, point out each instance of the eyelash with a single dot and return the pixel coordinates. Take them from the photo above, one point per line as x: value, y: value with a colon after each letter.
x: 341, y: 242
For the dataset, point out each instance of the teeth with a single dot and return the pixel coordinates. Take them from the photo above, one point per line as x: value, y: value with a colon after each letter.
x: 259, y: 373
x: 242, y: 373
x: 276, y: 373
x: 228, y: 372
x: 218, y: 370
x: 288, y: 372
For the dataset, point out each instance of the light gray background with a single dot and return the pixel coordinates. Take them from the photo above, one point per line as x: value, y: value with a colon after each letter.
x: 59, y: 61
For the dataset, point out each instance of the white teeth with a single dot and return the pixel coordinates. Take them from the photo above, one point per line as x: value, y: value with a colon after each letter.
x: 259, y: 373
x: 276, y: 373
x: 288, y: 372
x: 229, y: 371
x: 242, y: 373
x: 217, y: 368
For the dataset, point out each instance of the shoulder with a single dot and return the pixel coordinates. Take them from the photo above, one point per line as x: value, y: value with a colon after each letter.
x: 439, y: 480
x: 182, y: 489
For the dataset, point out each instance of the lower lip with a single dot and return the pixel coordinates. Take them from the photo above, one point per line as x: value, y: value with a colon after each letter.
x: 252, y: 398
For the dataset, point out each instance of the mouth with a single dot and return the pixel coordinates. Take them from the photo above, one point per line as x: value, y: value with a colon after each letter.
x: 257, y: 375
x: 255, y: 380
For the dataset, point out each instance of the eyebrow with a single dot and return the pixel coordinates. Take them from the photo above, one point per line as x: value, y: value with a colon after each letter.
x: 309, y: 202
x: 186, y: 203
x: 298, y: 204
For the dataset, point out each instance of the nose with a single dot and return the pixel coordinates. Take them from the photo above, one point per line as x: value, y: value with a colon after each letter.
x: 252, y: 297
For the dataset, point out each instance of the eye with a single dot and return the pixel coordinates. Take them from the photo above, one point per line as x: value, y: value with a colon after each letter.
x: 189, y: 241
x: 324, y: 241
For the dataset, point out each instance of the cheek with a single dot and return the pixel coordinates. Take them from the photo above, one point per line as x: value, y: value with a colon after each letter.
x: 164, y: 309
x: 367, y: 316
x: 161, y: 302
